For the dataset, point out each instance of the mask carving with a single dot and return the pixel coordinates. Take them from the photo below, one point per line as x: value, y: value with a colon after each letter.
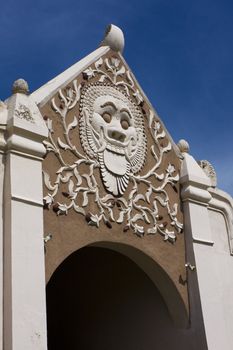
x: 112, y: 131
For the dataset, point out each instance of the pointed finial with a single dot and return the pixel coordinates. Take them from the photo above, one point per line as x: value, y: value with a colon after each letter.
x: 183, y: 146
x: 114, y: 38
x: 20, y: 86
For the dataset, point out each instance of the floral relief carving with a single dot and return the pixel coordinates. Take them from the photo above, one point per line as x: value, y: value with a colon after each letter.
x: 209, y: 171
x: 111, y: 128
x: 23, y: 112
x: 115, y: 71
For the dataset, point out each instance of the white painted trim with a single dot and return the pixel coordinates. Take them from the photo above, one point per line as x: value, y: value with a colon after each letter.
x: 202, y: 241
x: 23, y: 154
x: 195, y: 202
x: 45, y: 92
x: 27, y: 201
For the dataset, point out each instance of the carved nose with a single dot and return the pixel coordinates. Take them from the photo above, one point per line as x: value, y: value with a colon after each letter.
x: 116, y: 135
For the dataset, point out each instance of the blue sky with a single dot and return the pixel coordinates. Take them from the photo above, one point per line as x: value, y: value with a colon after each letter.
x: 181, y: 52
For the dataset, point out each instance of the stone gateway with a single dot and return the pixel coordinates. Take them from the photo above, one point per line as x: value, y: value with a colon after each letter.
x: 112, y: 236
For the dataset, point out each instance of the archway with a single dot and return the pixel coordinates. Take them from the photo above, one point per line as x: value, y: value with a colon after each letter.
x: 100, y: 299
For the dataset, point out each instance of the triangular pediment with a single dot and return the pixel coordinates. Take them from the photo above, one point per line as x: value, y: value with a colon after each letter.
x: 112, y: 169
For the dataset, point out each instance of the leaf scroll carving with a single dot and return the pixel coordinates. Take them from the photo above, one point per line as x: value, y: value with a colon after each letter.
x: 139, y: 211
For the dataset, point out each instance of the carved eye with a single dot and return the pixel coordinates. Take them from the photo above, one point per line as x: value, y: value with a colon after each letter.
x: 124, y: 124
x: 106, y: 117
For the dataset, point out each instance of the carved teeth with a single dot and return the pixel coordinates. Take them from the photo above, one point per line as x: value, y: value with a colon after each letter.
x: 115, y: 149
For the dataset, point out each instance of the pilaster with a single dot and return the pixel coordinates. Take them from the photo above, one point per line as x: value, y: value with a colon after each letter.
x: 195, y: 197
x: 24, y: 281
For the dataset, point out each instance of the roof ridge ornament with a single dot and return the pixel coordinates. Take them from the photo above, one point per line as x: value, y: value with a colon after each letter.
x: 114, y: 38
x: 20, y: 86
x: 183, y: 146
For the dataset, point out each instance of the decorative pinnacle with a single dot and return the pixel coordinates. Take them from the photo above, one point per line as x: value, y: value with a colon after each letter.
x: 114, y: 38
x: 20, y: 86
x: 183, y: 146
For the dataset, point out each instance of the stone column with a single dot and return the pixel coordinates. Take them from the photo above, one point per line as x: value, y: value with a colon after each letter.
x: 24, y: 277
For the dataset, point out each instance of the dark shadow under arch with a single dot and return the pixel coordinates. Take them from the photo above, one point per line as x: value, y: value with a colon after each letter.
x: 100, y: 299
x: 158, y: 276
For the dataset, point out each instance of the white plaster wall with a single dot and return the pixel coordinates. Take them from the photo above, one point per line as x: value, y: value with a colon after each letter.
x: 215, y: 277
x: 24, y: 276
x: 28, y: 316
x: 25, y: 184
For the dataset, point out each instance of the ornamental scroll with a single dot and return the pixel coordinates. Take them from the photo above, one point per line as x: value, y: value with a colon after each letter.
x: 108, y: 168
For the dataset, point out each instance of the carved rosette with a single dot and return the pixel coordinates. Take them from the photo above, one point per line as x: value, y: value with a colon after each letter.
x: 111, y: 128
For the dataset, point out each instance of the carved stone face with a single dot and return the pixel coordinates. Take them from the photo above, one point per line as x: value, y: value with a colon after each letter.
x: 114, y: 132
x: 114, y: 125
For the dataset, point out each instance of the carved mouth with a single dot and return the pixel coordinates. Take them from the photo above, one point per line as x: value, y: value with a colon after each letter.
x: 111, y: 144
x: 115, y: 135
x: 115, y: 143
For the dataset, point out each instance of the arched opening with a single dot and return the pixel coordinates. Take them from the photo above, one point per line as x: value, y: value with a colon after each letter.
x: 100, y: 299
